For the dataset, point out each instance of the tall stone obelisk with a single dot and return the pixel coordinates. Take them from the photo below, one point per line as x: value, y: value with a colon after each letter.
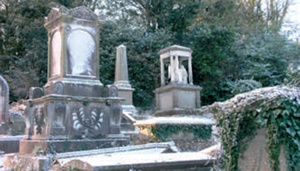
x: 122, y: 81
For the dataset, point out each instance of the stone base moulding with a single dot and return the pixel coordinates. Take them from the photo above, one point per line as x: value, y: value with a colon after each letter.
x: 59, y: 146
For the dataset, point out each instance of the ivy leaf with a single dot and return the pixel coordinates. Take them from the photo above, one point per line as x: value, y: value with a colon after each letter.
x: 297, y: 142
x: 297, y: 114
x: 291, y: 131
x: 277, y: 112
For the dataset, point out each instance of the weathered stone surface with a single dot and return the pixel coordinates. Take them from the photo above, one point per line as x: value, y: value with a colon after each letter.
x: 73, y: 43
x: 72, y: 112
x: 177, y: 96
x: 121, y: 70
x: 256, y: 156
x: 36, y: 92
x: 4, y: 107
x: 146, y: 162
x: 10, y: 144
x: 4, y: 100
x: 59, y: 146
x: 121, y: 77
x: 17, y: 123
x: 156, y: 156
x: 111, y: 91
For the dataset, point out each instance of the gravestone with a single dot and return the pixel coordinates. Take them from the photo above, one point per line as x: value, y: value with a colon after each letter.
x: 4, y: 106
x: 177, y: 94
x: 71, y: 112
x: 256, y: 156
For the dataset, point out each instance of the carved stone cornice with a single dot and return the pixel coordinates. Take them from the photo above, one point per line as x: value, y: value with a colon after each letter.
x: 79, y: 13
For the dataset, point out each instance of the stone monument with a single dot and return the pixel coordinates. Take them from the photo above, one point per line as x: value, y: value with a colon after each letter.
x: 73, y: 111
x: 178, y: 95
x: 4, y: 106
x: 121, y: 79
x: 125, y: 91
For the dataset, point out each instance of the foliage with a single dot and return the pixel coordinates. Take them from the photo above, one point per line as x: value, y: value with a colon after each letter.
x: 212, y: 60
x: 174, y: 15
x: 293, y: 75
x: 143, y: 61
x: 231, y: 40
x: 247, y: 15
x: 242, y: 86
x: 163, y: 132
x: 265, y: 57
x: 24, y: 45
x: 275, y: 108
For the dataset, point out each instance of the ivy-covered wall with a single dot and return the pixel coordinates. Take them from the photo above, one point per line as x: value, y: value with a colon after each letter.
x: 275, y: 108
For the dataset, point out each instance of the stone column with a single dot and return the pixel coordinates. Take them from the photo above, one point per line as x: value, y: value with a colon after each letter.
x: 190, y: 71
x: 162, y: 72
x: 171, y: 70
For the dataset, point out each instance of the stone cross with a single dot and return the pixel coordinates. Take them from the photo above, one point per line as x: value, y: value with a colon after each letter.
x: 121, y: 72
x: 4, y: 100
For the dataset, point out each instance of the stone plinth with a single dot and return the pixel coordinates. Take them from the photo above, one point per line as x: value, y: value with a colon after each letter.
x: 63, y: 120
x: 177, y: 97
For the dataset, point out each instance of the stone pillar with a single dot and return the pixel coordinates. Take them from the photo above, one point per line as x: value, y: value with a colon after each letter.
x: 4, y: 107
x: 122, y: 81
x: 162, y: 72
x: 190, y: 71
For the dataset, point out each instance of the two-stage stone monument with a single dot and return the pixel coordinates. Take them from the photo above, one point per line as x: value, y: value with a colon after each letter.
x: 73, y: 111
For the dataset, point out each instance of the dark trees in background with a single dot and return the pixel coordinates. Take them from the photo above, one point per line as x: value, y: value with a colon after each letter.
x: 231, y: 41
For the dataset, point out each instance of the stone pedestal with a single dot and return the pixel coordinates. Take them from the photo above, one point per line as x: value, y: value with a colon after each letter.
x: 175, y: 99
x: 59, y: 120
